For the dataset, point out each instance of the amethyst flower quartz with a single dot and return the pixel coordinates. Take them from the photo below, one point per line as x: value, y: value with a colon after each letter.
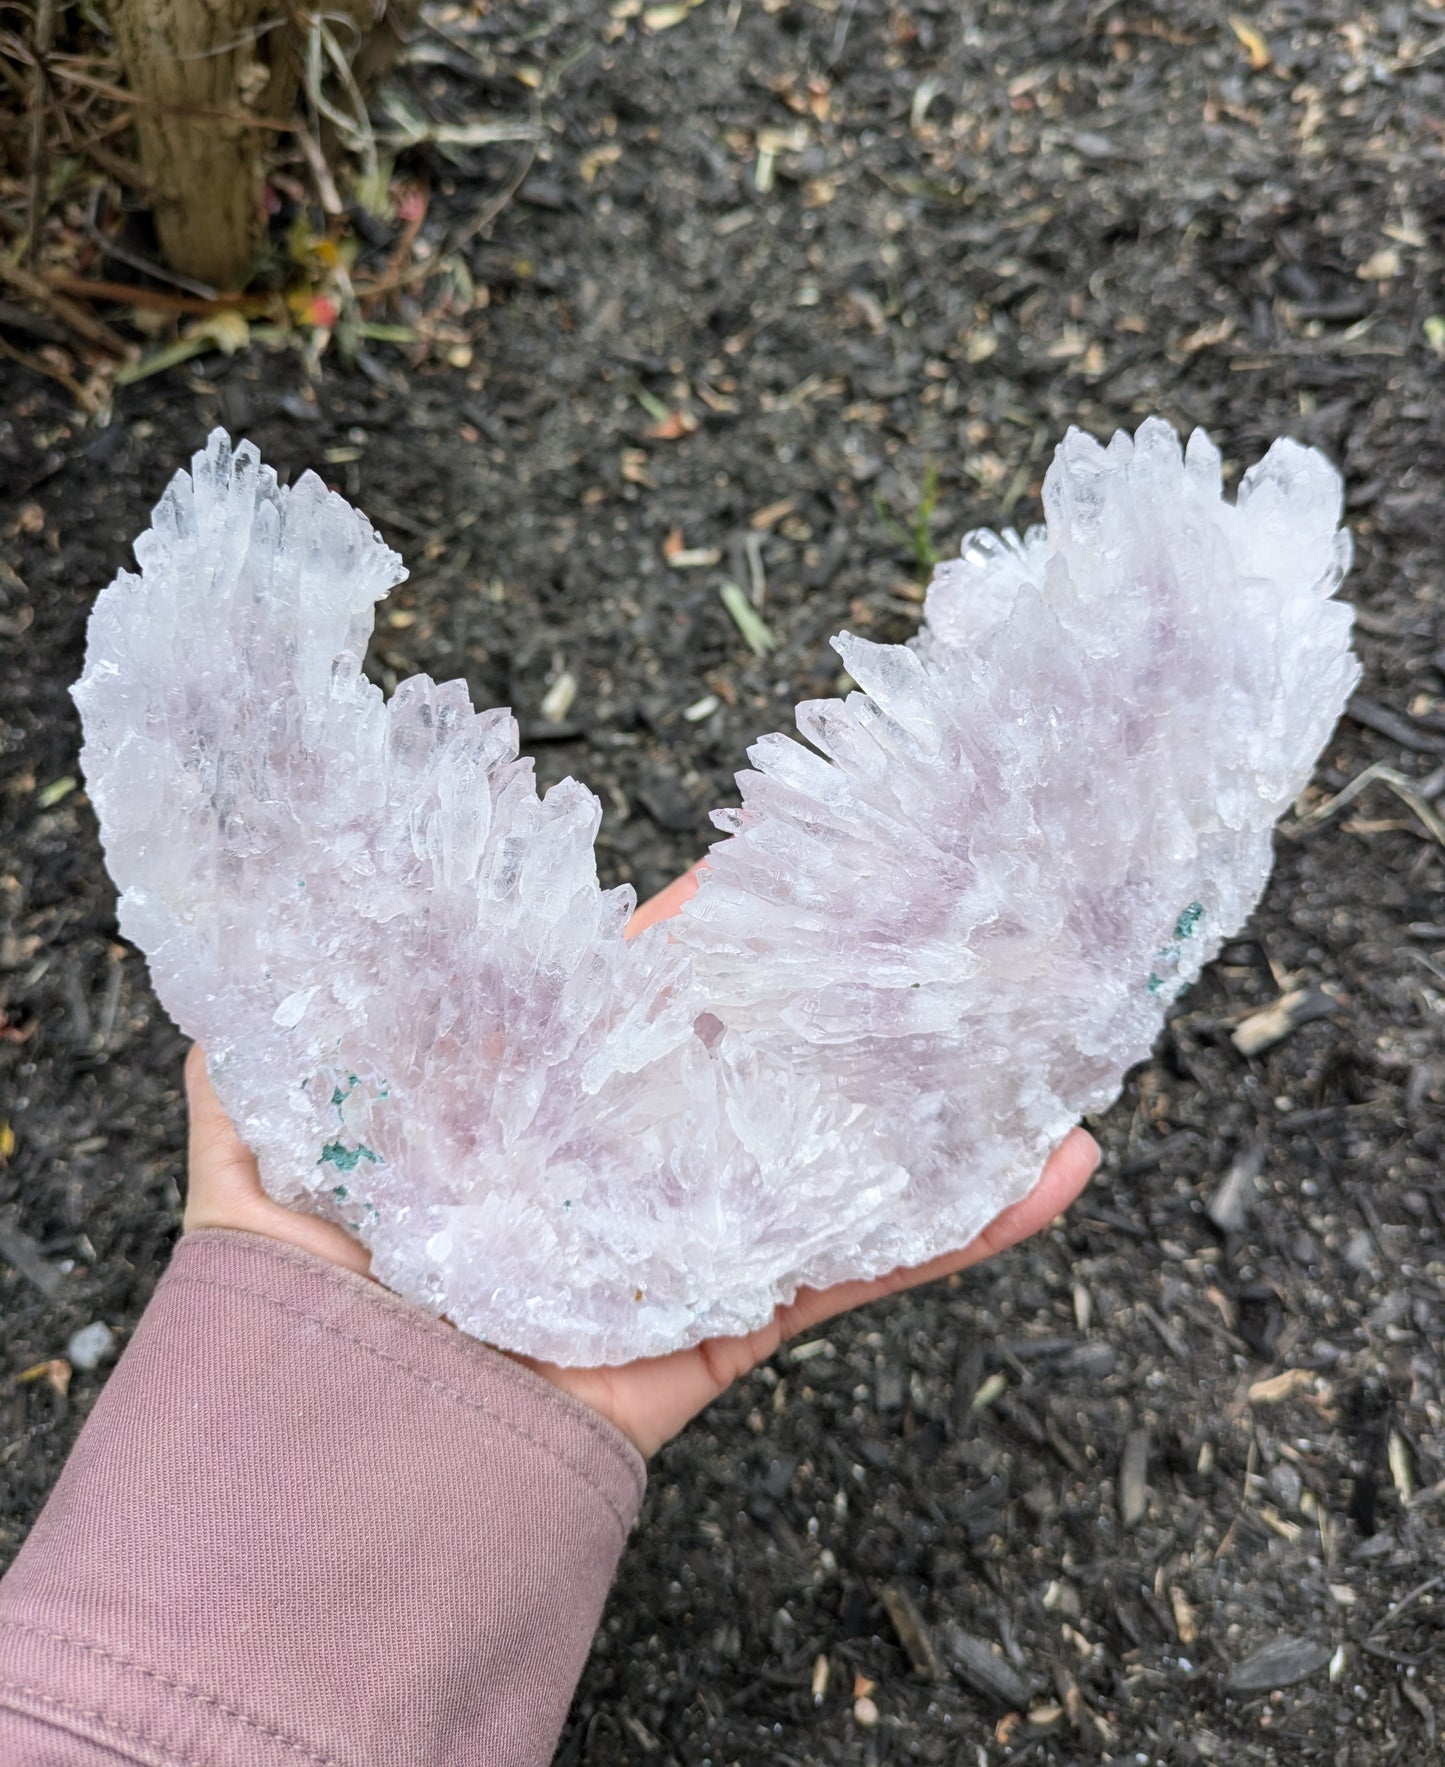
x: 943, y: 926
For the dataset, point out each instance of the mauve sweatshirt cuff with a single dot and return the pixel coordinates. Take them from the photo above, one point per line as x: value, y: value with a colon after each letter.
x: 308, y: 1524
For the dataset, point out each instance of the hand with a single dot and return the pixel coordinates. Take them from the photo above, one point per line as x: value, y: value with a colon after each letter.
x: 649, y: 1400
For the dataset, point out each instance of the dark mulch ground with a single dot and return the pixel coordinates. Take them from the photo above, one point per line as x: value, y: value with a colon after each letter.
x: 964, y: 232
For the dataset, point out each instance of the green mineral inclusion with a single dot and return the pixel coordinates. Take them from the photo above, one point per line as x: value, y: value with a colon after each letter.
x: 337, y: 1153
x: 1184, y: 929
x: 345, y: 1158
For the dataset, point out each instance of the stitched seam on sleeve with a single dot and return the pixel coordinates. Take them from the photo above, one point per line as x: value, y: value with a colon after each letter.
x: 373, y: 1294
x: 429, y: 1381
x: 79, y: 1711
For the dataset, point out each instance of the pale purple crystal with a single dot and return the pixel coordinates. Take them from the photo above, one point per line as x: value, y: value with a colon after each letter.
x: 914, y: 965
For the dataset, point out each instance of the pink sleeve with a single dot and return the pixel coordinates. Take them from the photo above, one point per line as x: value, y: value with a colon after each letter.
x: 307, y: 1525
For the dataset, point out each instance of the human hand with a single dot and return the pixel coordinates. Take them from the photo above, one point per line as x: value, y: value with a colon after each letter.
x: 648, y: 1400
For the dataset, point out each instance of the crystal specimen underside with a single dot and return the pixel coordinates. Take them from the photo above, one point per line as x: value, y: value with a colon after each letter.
x: 943, y: 928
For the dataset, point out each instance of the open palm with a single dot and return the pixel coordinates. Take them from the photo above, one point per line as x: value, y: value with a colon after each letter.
x: 651, y: 1399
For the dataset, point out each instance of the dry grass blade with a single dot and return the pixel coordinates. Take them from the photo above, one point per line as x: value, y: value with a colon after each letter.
x: 39, y: 105
x: 83, y: 397
x: 1376, y: 774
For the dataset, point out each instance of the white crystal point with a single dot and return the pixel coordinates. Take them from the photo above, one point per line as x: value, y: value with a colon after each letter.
x: 935, y: 939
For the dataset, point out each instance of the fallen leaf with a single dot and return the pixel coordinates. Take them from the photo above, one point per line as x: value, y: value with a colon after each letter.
x: 7, y: 1141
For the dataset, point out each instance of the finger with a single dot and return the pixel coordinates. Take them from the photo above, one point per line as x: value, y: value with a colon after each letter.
x: 666, y: 902
x: 218, y: 1156
x: 652, y: 1399
x: 1067, y: 1171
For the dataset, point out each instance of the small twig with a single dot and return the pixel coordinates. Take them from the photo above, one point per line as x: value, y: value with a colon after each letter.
x: 1401, y: 730
x: 1228, y: 1541
x: 157, y: 300
x: 326, y: 190
x: 1407, y: 1600
x: 22, y: 318
x: 113, y: 249
x: 489, y: 210
x: 115, y: 165
x: 69, y: 312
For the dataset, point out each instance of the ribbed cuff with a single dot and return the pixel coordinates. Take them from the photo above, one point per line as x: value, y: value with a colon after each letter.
x: 307, y: 1523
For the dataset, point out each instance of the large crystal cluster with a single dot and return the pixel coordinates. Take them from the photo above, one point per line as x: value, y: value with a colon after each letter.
x: 945, y: 924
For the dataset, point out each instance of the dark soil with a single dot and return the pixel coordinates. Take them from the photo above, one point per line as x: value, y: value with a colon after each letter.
x: 983, y: 222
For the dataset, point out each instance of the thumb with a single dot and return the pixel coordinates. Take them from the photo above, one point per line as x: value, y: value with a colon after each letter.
x: 225, y: 1184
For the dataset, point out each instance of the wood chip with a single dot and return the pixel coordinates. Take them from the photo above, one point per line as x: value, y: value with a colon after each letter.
x: 22, y: 1253
x: 55, y: 1373
x: 1279, y: 1387
x: 1133, y: 1478
x: 984, y: 1668
x: 559, y: 697
x: 1380, y: 266
x: 1400, y: 1472
x: 913, y: 1633
x: 634, y: 469
x: 1228, y: 1208
x: 1185, y: 1621
x: 1283, y: 1662
x: 1273, y: 1023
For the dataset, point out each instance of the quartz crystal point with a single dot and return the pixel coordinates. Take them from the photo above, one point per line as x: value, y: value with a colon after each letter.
x: 944, y: 926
